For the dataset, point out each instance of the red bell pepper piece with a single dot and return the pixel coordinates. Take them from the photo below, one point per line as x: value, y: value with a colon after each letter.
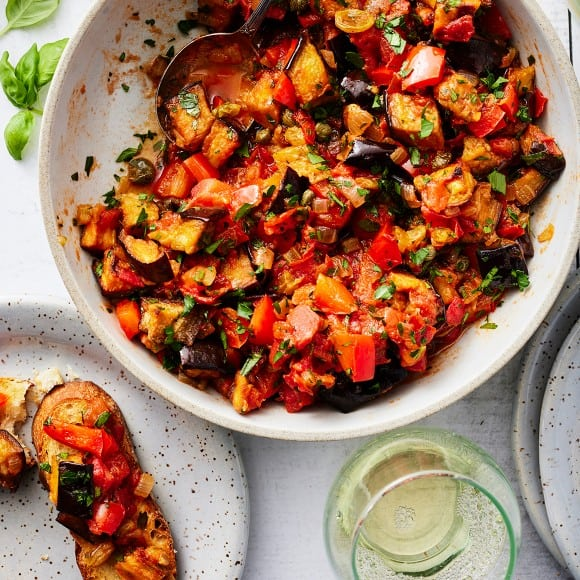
x: 384, y: 249
x: 382, y: 75
x: 509, y: 103
x: 309, y: 19
x: 262, y: 322
x: 174, y: 181
x: 492, y: 120
x: 91, y: 439
x: 356, y: 355
x: 426, y: 65
x: 455, y: 312
x: 284, y: 92
x: 199, y: 167
x: 129, y: 316
x: 107, y: 518
x: 540, y: 101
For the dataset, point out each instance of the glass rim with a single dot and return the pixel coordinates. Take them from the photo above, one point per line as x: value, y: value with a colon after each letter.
x: 387, y: 488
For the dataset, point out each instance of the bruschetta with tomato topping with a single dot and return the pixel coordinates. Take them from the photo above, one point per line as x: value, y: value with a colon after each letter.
x: 89, y: 466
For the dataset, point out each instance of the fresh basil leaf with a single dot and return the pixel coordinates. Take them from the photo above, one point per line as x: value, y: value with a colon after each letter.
x: 17, y: 133
x: 23, y: 13
x: 13, y: 87
x: 26, y: 72
x: 49, y: 57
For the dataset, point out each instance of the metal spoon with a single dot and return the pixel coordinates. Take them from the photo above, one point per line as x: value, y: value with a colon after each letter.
x: 219, y: 61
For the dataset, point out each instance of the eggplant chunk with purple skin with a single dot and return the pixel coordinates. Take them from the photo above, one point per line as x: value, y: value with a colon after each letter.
x: 12, y: 461
x: 541, y: 151
x: 503, y: 266
x: 203, y: 359
x: 148, y: 258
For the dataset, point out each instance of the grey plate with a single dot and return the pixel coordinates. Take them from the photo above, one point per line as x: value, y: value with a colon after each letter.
x: 560, y: 450
x: 539, y: 356
x: 200, y: 483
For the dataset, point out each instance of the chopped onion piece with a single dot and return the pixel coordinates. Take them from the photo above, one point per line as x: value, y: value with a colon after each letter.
x: 320, y: 205
x: 409, y: 194
x: 326, y: 235
x: 292, y: 255
x: 399, y: 155
x: 144, y: 485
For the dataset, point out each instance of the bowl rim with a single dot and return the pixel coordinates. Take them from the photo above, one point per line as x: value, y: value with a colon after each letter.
x: 243, y: 423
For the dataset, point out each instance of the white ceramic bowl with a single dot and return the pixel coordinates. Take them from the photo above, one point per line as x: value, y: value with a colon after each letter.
x: 88, y: 113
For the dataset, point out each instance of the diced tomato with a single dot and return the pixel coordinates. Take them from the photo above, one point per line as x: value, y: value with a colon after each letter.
x: 436, y: 220
x: 492, y: 120
x: 305, y: 324
x: 505, y: 147
x: 261, y: 158
x: 455, y: 312
x: 356, y: 354
x: 384, y: 249
x: 426, y: 64
x: 245, y: 197
x: 199, y: 167
x: 235, y: 327
x: 540, y: 101
x: 111, y: 472
x: 107, y: 518
x: 332, y: 296
x: 293, y: 399
x: 509, y: 103
x: 284, y: 92
x: 276, y: 13
x: 262, y: 322
x: 3, y: 399
x: 211, y: 192
x: 509, y: 228
x: 91, y: 439
x: 174, y: 181
x: 306, y: 123
x: 459, y: 30
x: 129, y: 316
x: 309, y: 19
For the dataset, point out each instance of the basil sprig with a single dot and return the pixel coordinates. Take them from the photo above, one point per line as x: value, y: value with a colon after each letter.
x: 24, y: 13
x: 21, y: 85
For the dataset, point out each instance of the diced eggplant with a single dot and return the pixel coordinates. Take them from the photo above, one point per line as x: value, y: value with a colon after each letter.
x: 148, y: 258
x: 525, y: 242
x: 204, y: 358
x: 503, y: 266
x: 76, y: 490
x: 290, y: 191
x: 347, y: 396
x: 12, y: 461
x: 528, y: 184
x: 205, y: 214
x: 77, y: 525
x: 343, y: 49
x: 365, y: 153
x: 477, y: 55
x: 541, y: 152
x: 187, y: 328
x: 357, y: 90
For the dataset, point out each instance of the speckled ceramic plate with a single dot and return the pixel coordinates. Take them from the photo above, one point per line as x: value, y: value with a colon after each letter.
x: 537, y: 363
x: 200, y: 482
x: 560, y: 450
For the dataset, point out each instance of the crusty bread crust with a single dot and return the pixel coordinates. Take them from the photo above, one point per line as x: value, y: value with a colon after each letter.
x: 151, y: 554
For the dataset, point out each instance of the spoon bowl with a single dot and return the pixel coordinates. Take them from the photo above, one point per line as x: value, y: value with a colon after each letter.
x: 219, y: 61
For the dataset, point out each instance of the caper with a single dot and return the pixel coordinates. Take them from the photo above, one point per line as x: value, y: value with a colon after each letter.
x: 307, y: 197
x: 323, y: 131
x: 462, y: 264
x: 141, y: 170
x: 288, y: 118
x: 263, y: 136
x: 226, y: 110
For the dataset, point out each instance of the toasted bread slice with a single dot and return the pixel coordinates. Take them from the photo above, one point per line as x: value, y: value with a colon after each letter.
x: 140, y: 545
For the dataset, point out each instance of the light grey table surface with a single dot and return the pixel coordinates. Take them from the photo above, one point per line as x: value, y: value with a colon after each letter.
x: 288, y: 481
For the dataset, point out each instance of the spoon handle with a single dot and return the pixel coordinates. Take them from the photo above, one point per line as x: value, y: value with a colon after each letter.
x: 256, y: 18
